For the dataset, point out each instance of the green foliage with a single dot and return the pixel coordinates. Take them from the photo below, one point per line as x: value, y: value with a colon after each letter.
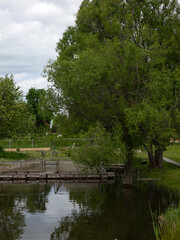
x: 38, y: 105
x: 119, y: 65
x: 100, y: 150
x: 69, y: 125
x: 15, y: 120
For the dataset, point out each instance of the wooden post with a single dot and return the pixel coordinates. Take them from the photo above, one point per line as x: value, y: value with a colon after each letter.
x: 21, y: 164
x: 56, y: 166
x: 77, y: 167
x: 44, y: 166
x: 127, y: 178
x: 10, y: 143
x: 40, y: 166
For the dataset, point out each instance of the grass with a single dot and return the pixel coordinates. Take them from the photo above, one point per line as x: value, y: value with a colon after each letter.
x: 170, y: 174
x: 13, y: 156
x: 25, y: 143
x: 167, y: 226
x: 173, y: 152
x: 29, y: 155
x: 45, y: 141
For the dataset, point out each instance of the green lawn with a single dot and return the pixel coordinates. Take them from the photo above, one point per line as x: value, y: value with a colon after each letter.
x: 29, y: 155
x: 13, y: 156
x: 173, y: 152
x: 170, y: 174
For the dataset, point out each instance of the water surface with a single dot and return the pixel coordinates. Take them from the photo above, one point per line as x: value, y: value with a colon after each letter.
x: 80, y: 211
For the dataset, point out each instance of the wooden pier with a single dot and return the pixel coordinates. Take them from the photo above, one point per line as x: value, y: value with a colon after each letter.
x: 54, y: 176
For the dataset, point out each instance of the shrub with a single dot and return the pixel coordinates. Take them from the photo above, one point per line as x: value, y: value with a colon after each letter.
x: 101, y: 150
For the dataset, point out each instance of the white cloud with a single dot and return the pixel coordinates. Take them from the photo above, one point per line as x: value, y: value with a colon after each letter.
x: 27, y: 80
x: 43, y: 10
x: 29, y: 31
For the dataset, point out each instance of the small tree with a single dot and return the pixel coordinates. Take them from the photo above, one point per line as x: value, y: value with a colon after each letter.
x: 38, y: 105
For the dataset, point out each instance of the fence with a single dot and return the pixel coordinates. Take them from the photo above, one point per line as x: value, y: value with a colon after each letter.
x: 43, y: 142
x: 32, y: 143
x: 38, y: 166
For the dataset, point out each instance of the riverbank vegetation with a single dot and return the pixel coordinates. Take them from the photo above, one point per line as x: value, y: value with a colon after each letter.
x: 168, y: 227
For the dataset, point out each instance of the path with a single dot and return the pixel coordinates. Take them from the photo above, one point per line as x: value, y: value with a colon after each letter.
x: 171, y: 161
x: 27, y: 149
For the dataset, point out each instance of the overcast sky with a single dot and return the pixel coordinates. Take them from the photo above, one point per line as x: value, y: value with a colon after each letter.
x: 29, y: 31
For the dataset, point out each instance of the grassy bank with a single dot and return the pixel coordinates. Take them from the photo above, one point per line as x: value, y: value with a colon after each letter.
x: 169, y: 175
x: 168, y: 227
x: 173, y: 152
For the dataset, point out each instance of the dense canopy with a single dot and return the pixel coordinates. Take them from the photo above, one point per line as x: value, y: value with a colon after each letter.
x: 120, y: 66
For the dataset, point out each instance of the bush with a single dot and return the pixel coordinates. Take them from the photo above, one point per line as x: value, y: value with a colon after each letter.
x: 101, y: 150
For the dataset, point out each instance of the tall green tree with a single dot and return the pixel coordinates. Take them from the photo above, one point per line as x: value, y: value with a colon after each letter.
x: 119, y: 66
x: 15, y: 120
x: 37, y: 102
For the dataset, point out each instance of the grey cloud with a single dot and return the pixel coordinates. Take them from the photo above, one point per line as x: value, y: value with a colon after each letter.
x: 29, y: 31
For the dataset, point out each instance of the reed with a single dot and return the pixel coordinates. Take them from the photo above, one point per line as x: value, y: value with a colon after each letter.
x: 167, y: 225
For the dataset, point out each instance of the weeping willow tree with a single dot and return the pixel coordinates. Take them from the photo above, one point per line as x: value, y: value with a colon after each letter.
x: 119, y: 65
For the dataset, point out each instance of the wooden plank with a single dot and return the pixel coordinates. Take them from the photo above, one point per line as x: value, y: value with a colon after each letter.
x: 104, y: 176
x: 93, y: 176
x: 6, y: 177
x: 42, y: 176
x: 79, y: 176
x: 66, y: 176
x: 19, y: 176
x: 111, y: 175
x: 32, y: 176
x: 51, y: 176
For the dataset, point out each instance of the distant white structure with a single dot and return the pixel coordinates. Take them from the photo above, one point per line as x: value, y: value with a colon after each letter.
x: 51, y: 123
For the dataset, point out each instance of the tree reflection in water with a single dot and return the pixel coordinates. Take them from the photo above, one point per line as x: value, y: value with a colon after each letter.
x: 93, y: 211
x: 110, y: 212
x: 14, y: 199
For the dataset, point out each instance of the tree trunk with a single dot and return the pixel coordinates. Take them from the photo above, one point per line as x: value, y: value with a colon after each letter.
x: 152, y: 161
x: 127, y: 174
x: 159, y: 157
x: 128, y: 148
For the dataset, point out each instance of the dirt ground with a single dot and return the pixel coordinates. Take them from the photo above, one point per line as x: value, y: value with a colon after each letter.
x: 26, y: 149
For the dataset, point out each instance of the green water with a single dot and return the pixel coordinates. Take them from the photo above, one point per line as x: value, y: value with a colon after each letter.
x: 80, y: 211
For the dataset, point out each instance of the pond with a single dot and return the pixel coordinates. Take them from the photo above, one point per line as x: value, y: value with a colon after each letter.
x: 80, y: 211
